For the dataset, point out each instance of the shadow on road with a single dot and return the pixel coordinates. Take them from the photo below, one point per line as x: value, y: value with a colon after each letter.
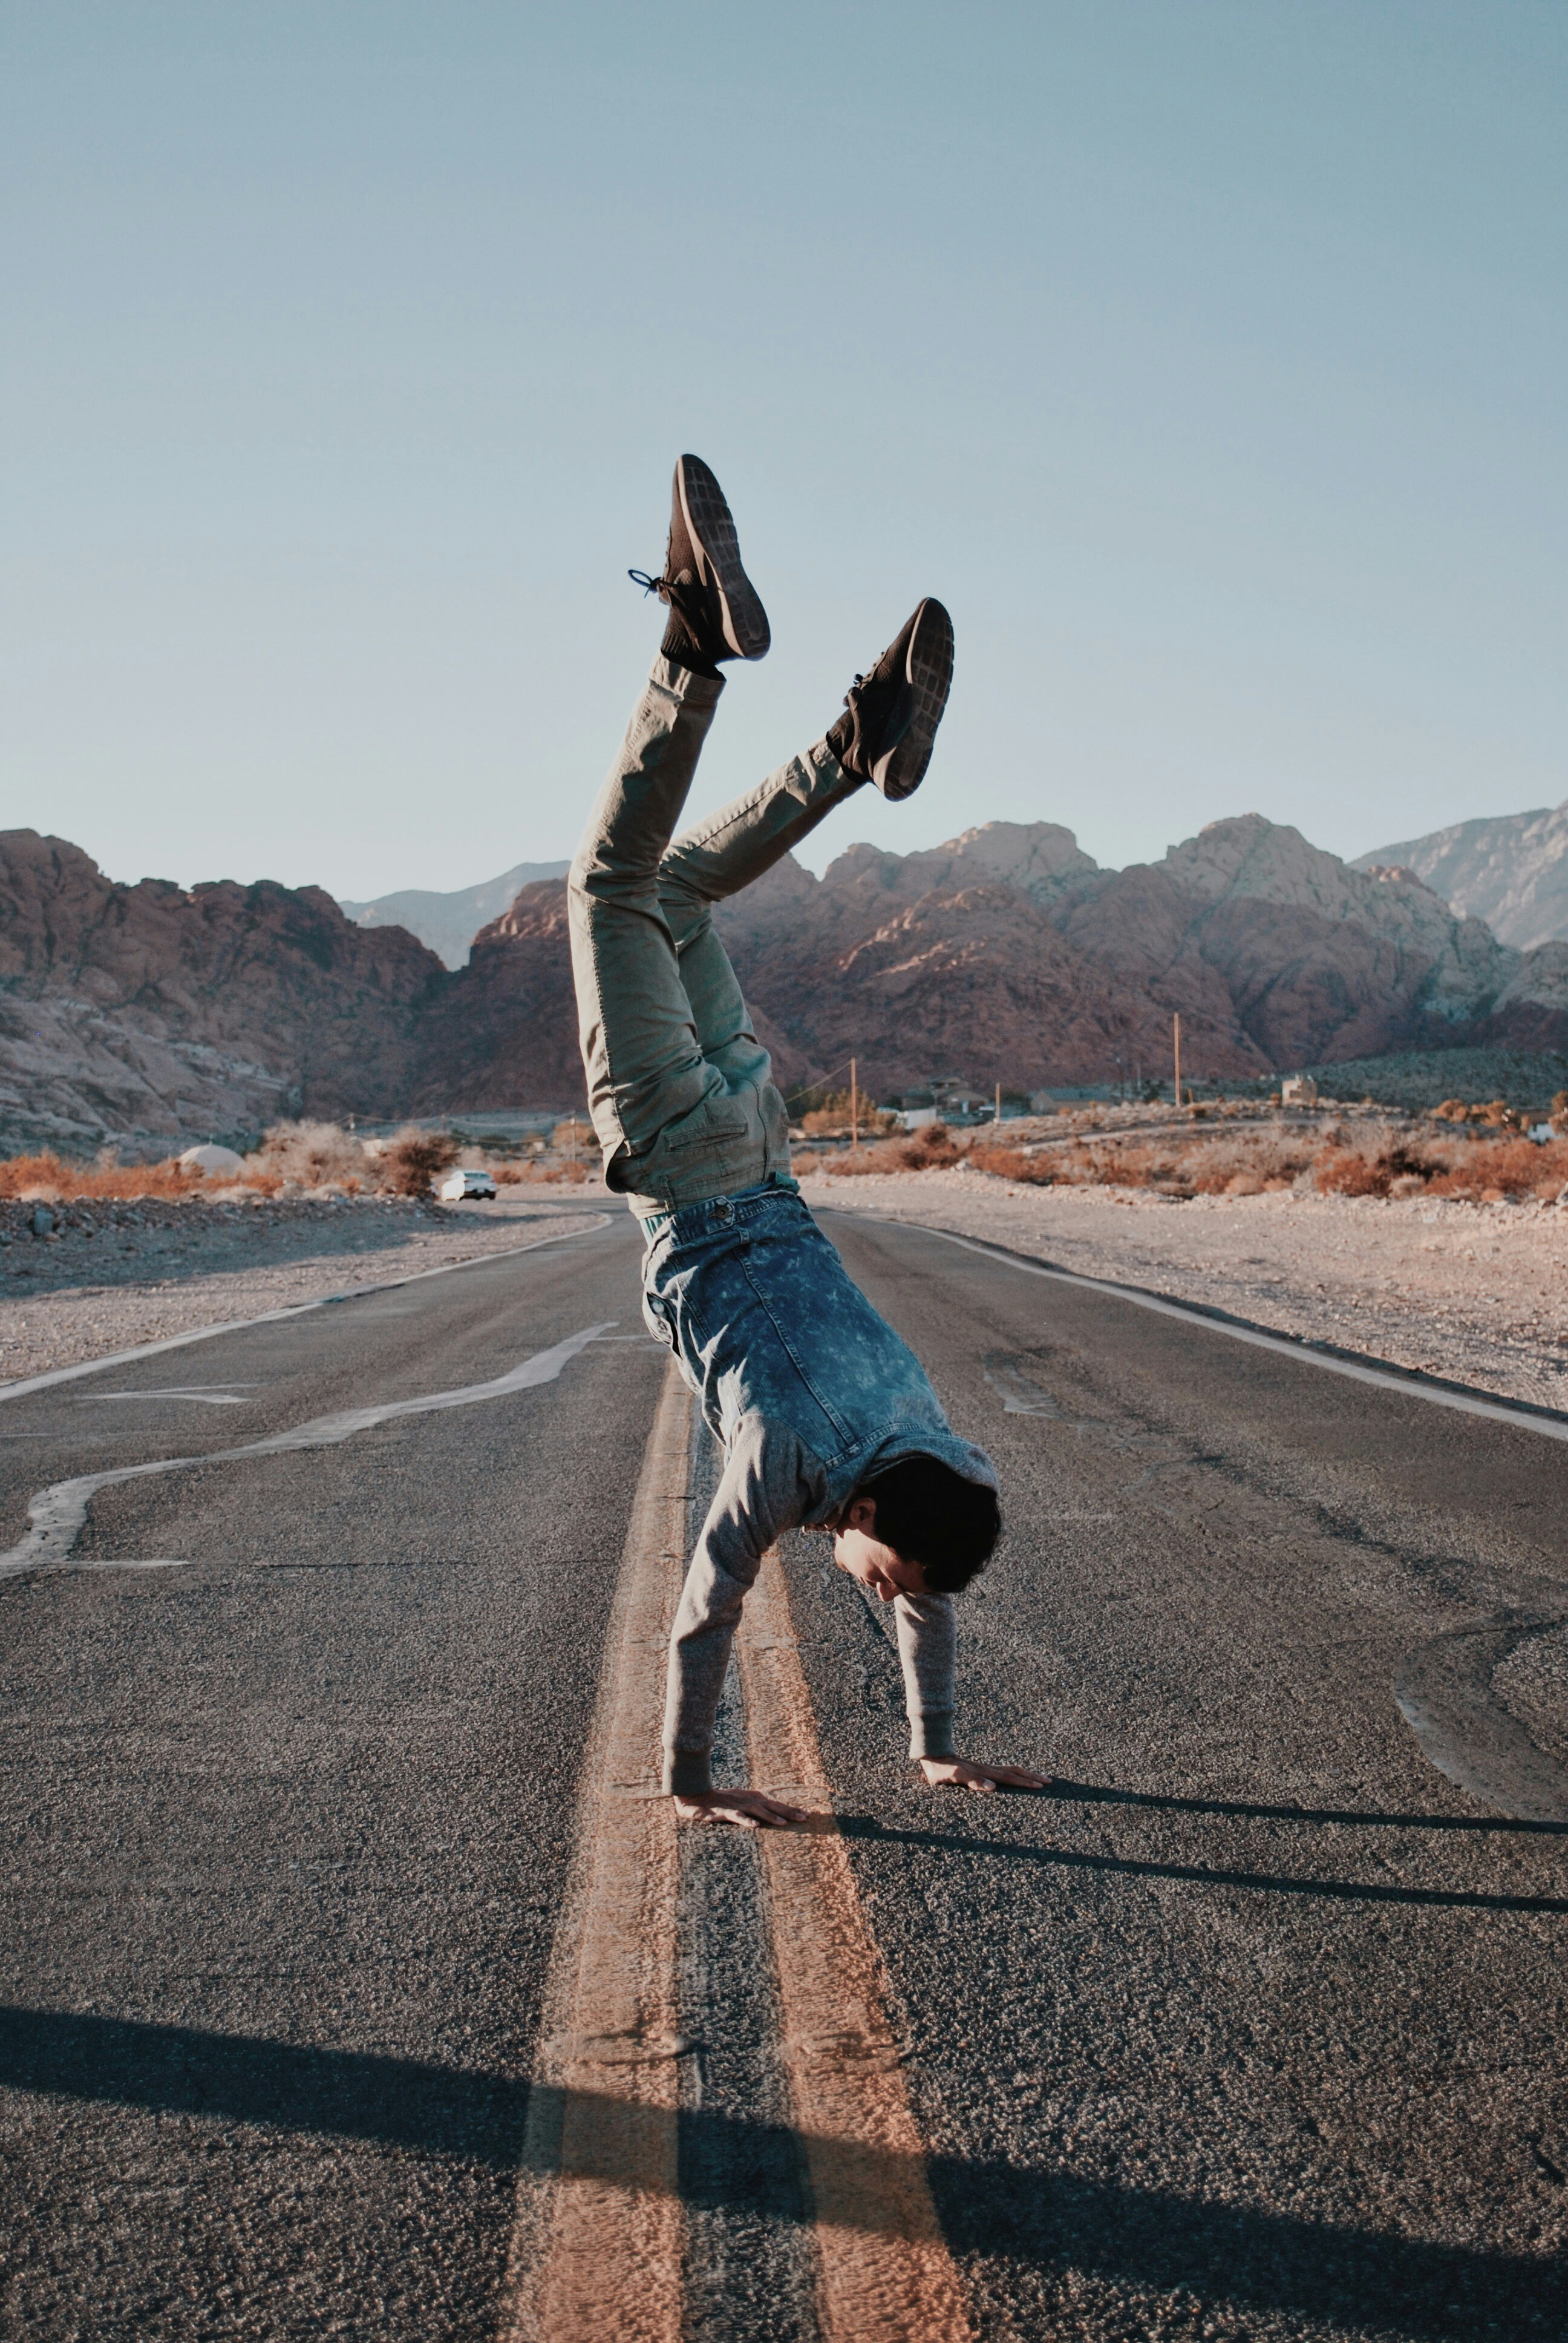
x: 1354, y: 1891
x: 1093, y: 1794
x: 1429, y: 2292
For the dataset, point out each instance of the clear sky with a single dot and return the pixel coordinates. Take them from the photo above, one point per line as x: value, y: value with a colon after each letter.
x: 1207, y: 357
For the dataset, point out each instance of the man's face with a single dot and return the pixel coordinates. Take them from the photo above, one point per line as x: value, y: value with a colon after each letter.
x: 858, y: 1549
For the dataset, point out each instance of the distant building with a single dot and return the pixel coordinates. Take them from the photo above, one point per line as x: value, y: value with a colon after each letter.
x: 1299, y: 1091
x: 916, y: 1118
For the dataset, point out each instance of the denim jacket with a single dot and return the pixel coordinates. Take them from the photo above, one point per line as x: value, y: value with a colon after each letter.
x: 809, y: 1392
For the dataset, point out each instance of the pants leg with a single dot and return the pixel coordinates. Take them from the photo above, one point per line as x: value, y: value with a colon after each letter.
x: 640, y: 1047
x: 680, y: 1089
x: 725, y: 854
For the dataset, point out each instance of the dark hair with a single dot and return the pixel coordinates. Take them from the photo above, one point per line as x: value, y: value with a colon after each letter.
x: 931, y: 1514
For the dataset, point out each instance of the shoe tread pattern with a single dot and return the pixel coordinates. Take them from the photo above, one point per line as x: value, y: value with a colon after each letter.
x: 930, y: 670
x: 712, y: 528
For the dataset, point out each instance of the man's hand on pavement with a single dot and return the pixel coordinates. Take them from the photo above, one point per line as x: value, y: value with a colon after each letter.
x: 746, y: 1809
x: 958, y: 1774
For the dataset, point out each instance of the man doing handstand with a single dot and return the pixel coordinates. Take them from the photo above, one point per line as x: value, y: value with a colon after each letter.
x: 826, y: 1419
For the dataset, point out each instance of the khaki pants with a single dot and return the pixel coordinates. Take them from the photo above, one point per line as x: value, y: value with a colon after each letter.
x: 680, y: 1087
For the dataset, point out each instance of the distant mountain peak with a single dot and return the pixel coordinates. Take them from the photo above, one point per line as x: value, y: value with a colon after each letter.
x: 1509, y: 870
x: 447, y: 925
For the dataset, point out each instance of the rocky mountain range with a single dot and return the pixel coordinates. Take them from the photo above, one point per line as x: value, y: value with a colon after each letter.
x: 1006, y: 955
x: 158, y: 1015
x: 1509, y: 870
x: 447, y: 925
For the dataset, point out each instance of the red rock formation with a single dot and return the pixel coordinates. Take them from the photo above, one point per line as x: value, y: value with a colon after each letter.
x: 1275, y: 953
x: 1004, y: 955
x: 504, y: 1032
x: 152, y: 1013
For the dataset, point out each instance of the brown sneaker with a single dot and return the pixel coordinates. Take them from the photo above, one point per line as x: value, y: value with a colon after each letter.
x: 886, y: 732
x: 714, y: 610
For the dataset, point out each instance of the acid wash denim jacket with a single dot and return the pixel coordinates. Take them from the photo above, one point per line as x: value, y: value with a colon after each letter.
x: 809, y: 1392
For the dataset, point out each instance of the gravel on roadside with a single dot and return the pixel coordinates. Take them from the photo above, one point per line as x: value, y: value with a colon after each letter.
x: 1473, y: 1292
x: 85, y: 1279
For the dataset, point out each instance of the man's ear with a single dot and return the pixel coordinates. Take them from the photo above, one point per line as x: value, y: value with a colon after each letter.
x: 861, y: 1515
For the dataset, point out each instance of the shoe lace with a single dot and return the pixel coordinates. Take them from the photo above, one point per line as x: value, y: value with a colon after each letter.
x: 684, y: 593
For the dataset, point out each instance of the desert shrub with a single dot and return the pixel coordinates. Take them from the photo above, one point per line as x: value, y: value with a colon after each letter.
x: 1013, y: 1164
x: 1345, y: 1171
x: 1496, y: 1114
x: 922, y: 1151
x: 1467, y: 1171
x: 415, y: 1159
x: 1511, y: 1167
x: 57, y: 1180
x: 310, y: 1152
x: 1222, y: 1171
x: 931, y: 1149
x: 1348, y: 1158
x: 830, y: 1110
x: 833, y: 1114
x: 1371, y: 1171
x: 573, y: 1137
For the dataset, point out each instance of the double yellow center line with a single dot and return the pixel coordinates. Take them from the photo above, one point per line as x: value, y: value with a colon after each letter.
x: 598, y: 2251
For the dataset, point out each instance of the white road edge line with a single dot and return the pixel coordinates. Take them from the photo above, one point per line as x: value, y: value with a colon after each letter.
x: 1496, y: 1410
x: 56, y: 1513
x: 292, y: 1310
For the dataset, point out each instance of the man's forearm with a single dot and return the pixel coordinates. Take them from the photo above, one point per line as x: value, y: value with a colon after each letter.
x: 699, y: 1647
x: 928, y: 1654
x: 931, y: 1734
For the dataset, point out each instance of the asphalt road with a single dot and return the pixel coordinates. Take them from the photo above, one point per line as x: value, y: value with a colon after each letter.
x: 287, y: 1828
x: 1187, y: 2069
x: 1252, y: 2029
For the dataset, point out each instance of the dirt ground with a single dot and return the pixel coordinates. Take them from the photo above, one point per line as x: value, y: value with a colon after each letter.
x: 1475, y: 1293
x: 81, y: 1281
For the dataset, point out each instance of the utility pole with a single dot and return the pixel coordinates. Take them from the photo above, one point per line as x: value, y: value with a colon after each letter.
x: 1176, y: 1044
x: 998, y: 1115
x: 854, y: 1106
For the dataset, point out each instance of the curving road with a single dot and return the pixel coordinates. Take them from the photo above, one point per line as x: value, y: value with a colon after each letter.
x: 1251, y: 2029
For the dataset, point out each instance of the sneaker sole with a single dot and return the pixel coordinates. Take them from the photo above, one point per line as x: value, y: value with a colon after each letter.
x: 711, y: 528
x: 929, y: 668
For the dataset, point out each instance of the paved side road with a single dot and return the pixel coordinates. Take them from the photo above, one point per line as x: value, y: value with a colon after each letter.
x: 1251, y: 2029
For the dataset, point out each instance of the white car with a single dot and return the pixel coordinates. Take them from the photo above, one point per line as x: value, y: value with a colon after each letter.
x: 458, y: 1185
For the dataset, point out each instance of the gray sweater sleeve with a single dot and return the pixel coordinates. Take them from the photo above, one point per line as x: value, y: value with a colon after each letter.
x: 772, y: 1483
x: 927, y: 1648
